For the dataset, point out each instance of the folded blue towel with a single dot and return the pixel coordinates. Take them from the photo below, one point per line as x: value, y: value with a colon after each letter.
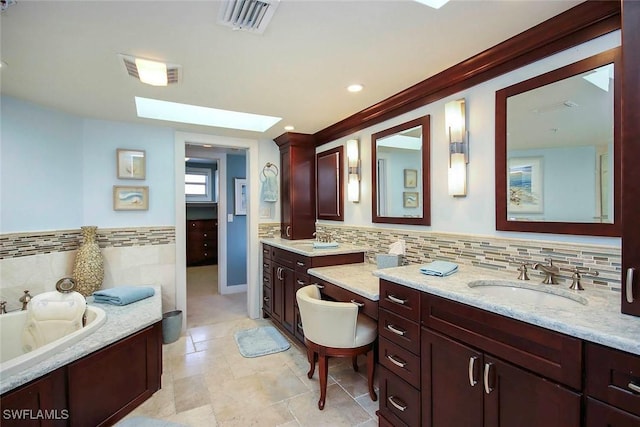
x: 324, y: 245
x: 123, y: 295
x: 439, y: 268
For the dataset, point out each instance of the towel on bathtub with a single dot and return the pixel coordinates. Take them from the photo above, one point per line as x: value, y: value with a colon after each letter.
x: 123, y: 295
x: 439, y: 268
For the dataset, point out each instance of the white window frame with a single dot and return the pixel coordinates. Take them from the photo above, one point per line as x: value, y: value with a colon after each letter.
x: 199, y: 197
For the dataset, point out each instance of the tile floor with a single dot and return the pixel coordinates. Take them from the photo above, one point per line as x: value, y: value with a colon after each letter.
x: 206, y: 382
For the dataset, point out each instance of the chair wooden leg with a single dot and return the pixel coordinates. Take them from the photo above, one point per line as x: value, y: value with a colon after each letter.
x: 311, y: 357
x: 354, y: 362
x: 371, y: 366
x: 324, y: 371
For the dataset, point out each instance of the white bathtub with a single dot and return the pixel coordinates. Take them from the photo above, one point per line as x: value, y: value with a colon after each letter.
x: 14, y: 360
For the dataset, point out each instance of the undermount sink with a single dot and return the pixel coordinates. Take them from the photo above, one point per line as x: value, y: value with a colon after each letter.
x: 538, y: 294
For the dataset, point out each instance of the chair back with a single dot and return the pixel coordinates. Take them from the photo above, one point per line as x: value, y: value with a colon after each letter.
x: 327, y: 323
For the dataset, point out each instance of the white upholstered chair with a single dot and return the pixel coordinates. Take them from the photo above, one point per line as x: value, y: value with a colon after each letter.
x: 335, y: 329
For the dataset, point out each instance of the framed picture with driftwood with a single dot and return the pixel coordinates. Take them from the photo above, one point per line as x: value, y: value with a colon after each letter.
x: 130, y: 198
x: 131, y: 164
x: 410, y: 199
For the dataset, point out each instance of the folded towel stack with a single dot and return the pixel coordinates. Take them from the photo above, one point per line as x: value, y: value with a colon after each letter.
x: 123, y: 295
x: 439, y: 268
x: 324, y: 245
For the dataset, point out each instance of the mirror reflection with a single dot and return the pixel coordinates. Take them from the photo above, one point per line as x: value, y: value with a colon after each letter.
x: 556, y: 149
x: 400, y: 177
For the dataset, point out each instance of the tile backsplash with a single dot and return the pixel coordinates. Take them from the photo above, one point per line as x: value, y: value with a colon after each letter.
x: 481, y: 251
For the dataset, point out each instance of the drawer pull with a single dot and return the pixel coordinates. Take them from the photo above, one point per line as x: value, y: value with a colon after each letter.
x: 318, y: 285
x: 358, y: 303
x: 266, y: 299
x: 395, y: 330
x: 629, y: 284
x: 265, y: 265
x: 300, y: 264
x: 487, y: 369
x: 472, y: 377
x: 396, y: 360
x: 287, y: 231
x: 397, y: 300
x: 300, y: 282
x: 634, y: 387
x: 205, y: 245
x: 265, y: 279
x: 300, y: 326
x: 205, y: 234
x: 279, y: 273
x: 399, y: 406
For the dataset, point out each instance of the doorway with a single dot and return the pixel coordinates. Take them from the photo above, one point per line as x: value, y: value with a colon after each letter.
x: 250, y: 225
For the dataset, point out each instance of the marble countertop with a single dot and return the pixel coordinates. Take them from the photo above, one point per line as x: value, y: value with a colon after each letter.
x: 599, y: 321
x: 121, y: 321
x: 305, y: 247
x: 357, y: 278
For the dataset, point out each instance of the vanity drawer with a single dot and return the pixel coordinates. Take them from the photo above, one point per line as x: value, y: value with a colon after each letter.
x: 266, y: 252
x: 399, y: 361
x: 266, y: 299
x: 336, y: 293
x: 302, y: 264
x: 400, y: 300
x: 399, y: 330
x: 282, y: 257
x: 547, y: 353
x: 613, y: 376
x: 399, y: 402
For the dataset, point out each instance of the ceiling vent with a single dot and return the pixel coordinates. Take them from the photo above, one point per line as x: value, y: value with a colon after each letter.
x: 173, y: 70
x: 247, y: 15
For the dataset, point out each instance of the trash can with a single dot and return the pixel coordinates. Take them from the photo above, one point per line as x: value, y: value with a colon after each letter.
x: 171, y: 326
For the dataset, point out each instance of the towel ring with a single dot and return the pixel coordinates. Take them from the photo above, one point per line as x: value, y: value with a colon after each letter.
x: 268, y: 167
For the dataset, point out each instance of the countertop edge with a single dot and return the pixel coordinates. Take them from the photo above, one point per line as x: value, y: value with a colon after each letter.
x: 289, y: 245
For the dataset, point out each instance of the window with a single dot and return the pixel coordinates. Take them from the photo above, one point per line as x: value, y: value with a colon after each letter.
x: 197, y: 185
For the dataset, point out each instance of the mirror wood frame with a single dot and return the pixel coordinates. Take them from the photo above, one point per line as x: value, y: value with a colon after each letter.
x: 579, y: 228
x: 423, y: 121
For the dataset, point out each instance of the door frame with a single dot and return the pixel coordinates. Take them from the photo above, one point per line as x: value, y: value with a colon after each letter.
x: 253, y: 241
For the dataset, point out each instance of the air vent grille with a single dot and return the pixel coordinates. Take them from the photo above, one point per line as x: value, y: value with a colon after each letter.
x: 173, y: 71
x: 247, y: 15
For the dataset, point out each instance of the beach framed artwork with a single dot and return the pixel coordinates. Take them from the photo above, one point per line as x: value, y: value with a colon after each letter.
x: 240, y: 196
x: 131, y: 164
x: 525, y: 183
x: 410, y: 199
x: 410, y: 178
x: 130, y: 198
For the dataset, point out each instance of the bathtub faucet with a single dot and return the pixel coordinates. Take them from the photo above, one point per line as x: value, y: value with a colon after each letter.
x: 24, y: 299
x: 3, y: 307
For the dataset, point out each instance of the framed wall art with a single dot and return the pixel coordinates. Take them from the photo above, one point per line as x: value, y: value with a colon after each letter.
x: 525, y: 183
x: 130, y: 198
x: 131, y: 164
x: 410, y: 199
x: 240, y: 196
x: 410, y: 178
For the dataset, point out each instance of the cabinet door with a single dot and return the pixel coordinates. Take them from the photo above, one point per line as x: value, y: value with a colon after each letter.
x: 329, y: 184
x: 451, y: 383
x: 285, y: 193
x: 20, y: 407
x: 289, y: 297
x: 600, y: 414
x: 631, y: 150
x: 514, y: 397
x: 108, y: 384
x: 277, y: 303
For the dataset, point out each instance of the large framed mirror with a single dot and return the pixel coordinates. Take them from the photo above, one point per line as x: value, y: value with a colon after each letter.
x: 400, y: 174
x: 558, y: 150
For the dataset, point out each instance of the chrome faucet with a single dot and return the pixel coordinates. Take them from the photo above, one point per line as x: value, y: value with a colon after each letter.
x: 578, y: 272
x: 549, y: 271
x: 24, y: 299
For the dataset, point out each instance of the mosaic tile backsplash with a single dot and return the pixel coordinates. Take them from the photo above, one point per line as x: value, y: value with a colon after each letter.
x: 15, y: 245
x: 481, y: 251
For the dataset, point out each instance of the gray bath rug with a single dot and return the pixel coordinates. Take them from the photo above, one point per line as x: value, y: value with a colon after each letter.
x: 260, y: 341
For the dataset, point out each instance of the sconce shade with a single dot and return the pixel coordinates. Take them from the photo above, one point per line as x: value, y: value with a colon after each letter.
x: 353, y: 161
x: 458, y: 175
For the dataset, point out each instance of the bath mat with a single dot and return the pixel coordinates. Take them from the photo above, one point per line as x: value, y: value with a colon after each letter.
x: 140, y: 421
x: 260, y: 341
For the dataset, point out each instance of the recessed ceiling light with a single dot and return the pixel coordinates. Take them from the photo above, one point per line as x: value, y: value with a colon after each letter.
x: 151, y: 72
x: 436, y: 4
x: 289, y: 128
x: 355, y: 87
x: 194, y: 114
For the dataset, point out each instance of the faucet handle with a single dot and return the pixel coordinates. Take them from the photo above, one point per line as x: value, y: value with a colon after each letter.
x: 3, y: 307
x: 578, y: 272
x: 522, y: 268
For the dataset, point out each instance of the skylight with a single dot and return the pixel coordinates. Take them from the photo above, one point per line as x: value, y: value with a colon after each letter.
x: 436, y: 4
x: 194, y: 114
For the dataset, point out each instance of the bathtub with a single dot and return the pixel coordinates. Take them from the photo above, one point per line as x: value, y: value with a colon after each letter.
x: 12, y: 358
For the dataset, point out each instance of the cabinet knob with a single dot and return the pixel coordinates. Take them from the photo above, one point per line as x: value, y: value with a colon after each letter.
x: 205, y: 234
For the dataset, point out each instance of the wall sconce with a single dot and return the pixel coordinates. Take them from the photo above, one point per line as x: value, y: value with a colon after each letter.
x: 455, y: 120
x: 353, y: 172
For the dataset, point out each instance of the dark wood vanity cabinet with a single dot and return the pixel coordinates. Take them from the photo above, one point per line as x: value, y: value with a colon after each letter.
x: 612, y: 387
x: 283, y: 273
x: 202, y: 242
x: 297, y: 185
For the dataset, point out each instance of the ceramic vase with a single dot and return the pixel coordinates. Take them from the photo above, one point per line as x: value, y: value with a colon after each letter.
x: 88, y: 268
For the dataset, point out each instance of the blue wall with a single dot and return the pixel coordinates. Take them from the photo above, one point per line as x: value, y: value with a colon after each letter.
x: 236, y: 230
x: 58, y: 170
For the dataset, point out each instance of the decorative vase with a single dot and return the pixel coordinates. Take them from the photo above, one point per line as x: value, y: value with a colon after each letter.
x: 88, y: 268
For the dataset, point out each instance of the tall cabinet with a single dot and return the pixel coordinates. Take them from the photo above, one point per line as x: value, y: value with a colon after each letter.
x: 297, y: 185
x: 630, y: 156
